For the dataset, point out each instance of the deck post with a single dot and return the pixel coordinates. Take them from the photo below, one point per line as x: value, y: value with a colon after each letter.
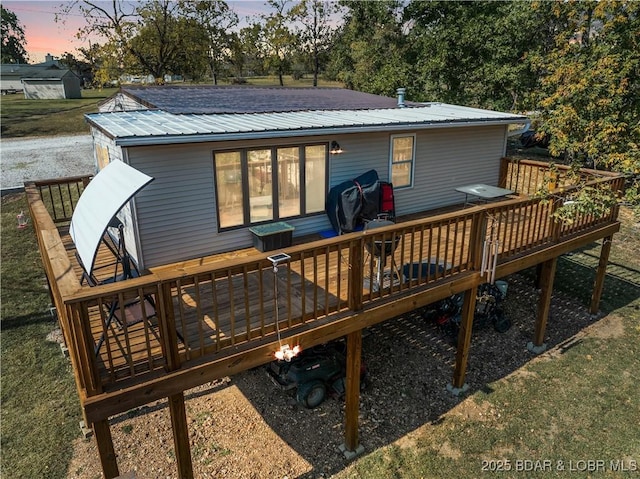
x: 80, y: 326
x: 351, y: 446
x: 547, y: 274
x: 106, y: 451
x: 601, y: 272
x: 464, y: 341
x: 181, y: 435
x: 356, y: 275
x: 504, y: 172
x: 167, y: 323
x: 177, y: 410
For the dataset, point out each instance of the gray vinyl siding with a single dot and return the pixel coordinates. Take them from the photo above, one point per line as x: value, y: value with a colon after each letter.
x: 445, y: 158
x: 448, y: 158
x: 176, y: 213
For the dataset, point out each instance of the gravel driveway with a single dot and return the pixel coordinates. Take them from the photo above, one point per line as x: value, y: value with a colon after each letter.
x: 26, y: 159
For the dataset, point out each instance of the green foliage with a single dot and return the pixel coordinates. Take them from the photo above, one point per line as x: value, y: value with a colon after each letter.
x: 314, y: 28
x: 13, y: 39
x: 370, y: 51
x: 477, y: 53
x: 597, y: 200
x: 590, y: 95
x: 277, y: 40
x: 217, y: 20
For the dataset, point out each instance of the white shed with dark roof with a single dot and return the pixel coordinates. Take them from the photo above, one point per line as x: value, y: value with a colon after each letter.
x: 51, y: 84
x: 226, y: 159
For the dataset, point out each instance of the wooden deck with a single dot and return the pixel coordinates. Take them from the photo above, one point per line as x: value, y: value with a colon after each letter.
x: 182, y: 325
x: 219, y: 303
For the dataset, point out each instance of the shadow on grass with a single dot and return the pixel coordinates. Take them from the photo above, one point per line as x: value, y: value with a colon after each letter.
x: 410, y: 362
x: 16, y: 322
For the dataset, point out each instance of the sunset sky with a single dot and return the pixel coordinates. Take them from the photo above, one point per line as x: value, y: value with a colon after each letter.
x: 44, y: 35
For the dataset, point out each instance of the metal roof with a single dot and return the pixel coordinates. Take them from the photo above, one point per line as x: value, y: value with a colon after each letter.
x: 208, y: 99
x: 154, y: 127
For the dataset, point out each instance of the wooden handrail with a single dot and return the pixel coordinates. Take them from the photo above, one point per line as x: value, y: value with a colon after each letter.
x: 61, y: 181
x: 188, y: 296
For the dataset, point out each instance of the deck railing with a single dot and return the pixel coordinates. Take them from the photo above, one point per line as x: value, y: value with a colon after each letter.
x: 60, y: 196
x: 202, y: 312
x: 530, y: 177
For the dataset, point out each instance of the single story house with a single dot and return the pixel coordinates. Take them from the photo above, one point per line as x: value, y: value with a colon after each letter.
x: 225, y: 159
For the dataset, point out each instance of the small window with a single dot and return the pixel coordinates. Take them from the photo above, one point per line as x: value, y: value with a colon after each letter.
x: 402, y: 160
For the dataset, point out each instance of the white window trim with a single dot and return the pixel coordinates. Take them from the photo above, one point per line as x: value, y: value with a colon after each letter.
x: 413, y: 159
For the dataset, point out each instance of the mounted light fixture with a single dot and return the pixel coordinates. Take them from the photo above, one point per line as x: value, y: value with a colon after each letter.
x: 335, y: 148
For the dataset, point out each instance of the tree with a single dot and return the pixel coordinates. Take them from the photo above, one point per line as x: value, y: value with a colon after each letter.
x: 191, y: 56
x: 13, y: 39
x: 369, y: 49
x: 217, y: 20
x: 160, y: 37
x: 478, y: 53
x: 590, y: 100
x: 113, y: 21
x: 277, y: 39
x: 245, y: 54
x: 313, y: 20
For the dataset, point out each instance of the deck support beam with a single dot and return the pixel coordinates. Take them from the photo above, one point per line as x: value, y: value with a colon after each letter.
x: 181, y: 436
x: 601, y: 272
x: 547, y: 274
x: 464, y: 342
x: 107, y: 453
x: 351, y: 446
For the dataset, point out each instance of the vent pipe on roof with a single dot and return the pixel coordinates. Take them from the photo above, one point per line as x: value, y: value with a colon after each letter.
x: 401, y: 92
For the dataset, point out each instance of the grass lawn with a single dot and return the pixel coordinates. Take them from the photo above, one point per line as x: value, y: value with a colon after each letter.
x: 22, y: 117
x: 40, y: 409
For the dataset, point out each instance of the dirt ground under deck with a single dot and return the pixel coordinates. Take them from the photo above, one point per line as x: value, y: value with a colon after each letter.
x: 245, y: 427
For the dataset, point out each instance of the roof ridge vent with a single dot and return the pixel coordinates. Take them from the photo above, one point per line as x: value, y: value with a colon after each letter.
x: 401, y: 92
